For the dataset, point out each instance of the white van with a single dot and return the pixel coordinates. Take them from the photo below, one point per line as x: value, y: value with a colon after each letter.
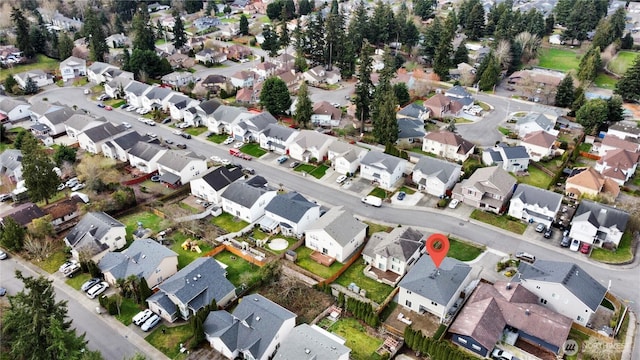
x: 525, y: 257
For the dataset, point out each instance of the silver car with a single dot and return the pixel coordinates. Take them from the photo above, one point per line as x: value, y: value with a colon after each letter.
x: 151, y: 322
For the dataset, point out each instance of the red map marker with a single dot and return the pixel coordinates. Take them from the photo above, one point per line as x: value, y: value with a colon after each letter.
x: 437, y: 247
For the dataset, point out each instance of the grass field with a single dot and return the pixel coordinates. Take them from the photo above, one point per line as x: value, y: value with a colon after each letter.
x: 195, y: 131
x: 253, y: 149
x: 42, y: 62
x: 185, y: 257
x: 621, y: 62
x: 148, y: 219
x: 463, y: 251
x: 77, y: 280
x: 169, y: 341
x: 375, y: 291
x: 53, y: 262
x: 536, y: 178
x: 559, y: 59
x: 239, y: 271
x: 623, y: 254
x: 605, y: 81
x: 502, y: 221
x: 363, y: 346
x: 229, y: 223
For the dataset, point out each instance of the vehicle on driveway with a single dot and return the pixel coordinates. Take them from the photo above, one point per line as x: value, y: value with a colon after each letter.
x: 540, y: 228
x: 454, y: 203
x: 6, y: 197
x: 89, y: 284
x: 238, y: 145
x: 524, y: 256
x: 97, y: 290
x: 3, y: 255
x: 72, y: 270
x: 130, y: 108
x: 294, y: 164
x: 585, y: 248
x: 282, y: 159
x: 548, y: 233
x: 78, y: 187
x: 150, y: 323
x: 499, y: 354
x: 142, y: 316
x: 67, y: 264
x: 565, y: 242
x: 152, y: 135
x: 401, y: 195
x: 575, y: 245
x: 72, y: 182
x: 341, y: 179
x: 228, y: 141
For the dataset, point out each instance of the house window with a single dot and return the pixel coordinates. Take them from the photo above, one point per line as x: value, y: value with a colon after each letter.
x: 543, y: 301
x: 476, y: 347
x: 538, y: 287
x: 408, y: 303
x: 462, y: 340
x: 409, y: 292
x: 434, y: 303
x: 580, y: 318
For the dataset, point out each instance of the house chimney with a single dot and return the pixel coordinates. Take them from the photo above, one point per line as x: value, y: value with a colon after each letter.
x: 508, y: 286
x: 527, y: 312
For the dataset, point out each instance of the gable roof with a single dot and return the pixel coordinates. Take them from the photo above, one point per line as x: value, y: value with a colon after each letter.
x: 275, y: 131
x: 437, y: 284
x: 410, y: 128
x: 600, y: 215
x: 23, y: 214
x: 382, y: 161
x: 532, y: 195
x: 616, y: 142
x: 209, y: 106
x: 438, y: 100
x: 136, y: 87
x: 544, y: 122
x: 99, y: 67
x: 434, y: 167
x: 325, y: 108
x: 157, y: 93
x: 127, y: 140
x: 103, y: 131
x: 140, y: 259
x: 11, y: 159
x: 246, y: 193
x: 458, y: 91
x: 73, y: 61
x: 145, y: 151
x: 492, y: 180
x: 401, y: 243
x: 59, y: 115
x: 593, y: 180
x: 570, y: 275
x: 311, y: 342
x: 413, y: 110
x: 8, y: 104
x: 620, y: 158
x: 220, y: 177
x: 539, y: 138
x: 340, y: 224
x: 177, y: 160
x: 80, y: 121
x: 450, y: 138
x: 291, y: 206
x: 309, y: 139
x: 93, y: 224
x: 227, y: 114
x: 514, y: 152
x: 62, y: 207
x: 252, y: 327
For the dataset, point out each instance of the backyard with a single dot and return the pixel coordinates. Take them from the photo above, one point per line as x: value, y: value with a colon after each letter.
x: 362, y: 345
x: 148, y: 219
x: 305, y: 262
x: 558, y: 59
x: 42, y: 62
x: 621, y: 62
x: 605, y: 81
x: 375, y: 291
x: 501, y: 221
x: 229, y: 223
x: 185, y: 257
x: 535, y: 177
x: 239, y: 271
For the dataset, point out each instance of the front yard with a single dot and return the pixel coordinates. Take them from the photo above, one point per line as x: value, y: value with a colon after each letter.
x: 305, y: 262
x: 253, y: 149
x: 623, y: 254
x: 501, y: 221
x: 169, y: 341
x: 375, y: 291
x: 217, y: 138
x: 315, y: 171
x: 195, y: 131
x: 463, y: 251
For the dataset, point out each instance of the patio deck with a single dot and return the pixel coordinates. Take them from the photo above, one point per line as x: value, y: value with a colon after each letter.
x: 322, y: 259
x: 386, y: 277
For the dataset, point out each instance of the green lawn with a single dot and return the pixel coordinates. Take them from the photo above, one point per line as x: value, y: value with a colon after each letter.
x: 253, y: 149
x: 239, y: 271
x: 363, y: 346
x: 169, y: 342
x: 463, y: 251
x: 185, y: 257
x: 407, y: 190
x: 42, y: 62
x: 315, y: 171
x: 375, y: 291
x: 536, y: 177
x: 77, y: 280
x: 304, y: 167
x: 229, y: 223
x: 305, y: 262
x: 195, y: 131
x: 147, y: 218
x: 381, y: 193
x: 53, y: 262
x: 504, y: 130
x: 605, y: 81
x: 374, y: 228
x: 585, y: 147
x: 621, y: 62
x: 559, y: 59
x: 128, y: 309
x: 502, y: 221
x: 217, y: 138
x: 624, y: 252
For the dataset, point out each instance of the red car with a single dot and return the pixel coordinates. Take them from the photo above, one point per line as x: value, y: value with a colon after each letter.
x: 585, y: 248
x: 108, y: 107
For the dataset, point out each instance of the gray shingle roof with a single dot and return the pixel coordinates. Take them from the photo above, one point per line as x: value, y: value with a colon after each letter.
x: 412, y: 110
x: 601, y: 215
x: 538, y: 118
x: 104, y: 131
x: 10, y: 159
x: 79, y: 121
x: 535, y: 196
x: 252, y: 327
x: 209, y: 106
x: 340, y: 224
x: 433, y: 167
x: 310, y: 342
x: 409, y: 128
x: 515, y: 152
x: 220, y: 177
x: 226, y: 113
x: 576, y: 280
x: 128, y: 140
x: 244, y: 193
x: 457, y: 91
x: 24, y: 213
x: 137, y: 88
x: 438, y: 285
x: 260, y: 121
x: 491, y: 180
x: 145, y: 151
x: 157, y: 93
x: 381, y: 161
x: 401, y: 243
x: 94, y: 225
x: 99, y: 67
x: 8, y: 104
x: 141, y: 259
x: 59, y: 116
x: 291, y: 206
x: 275, y: 131
x: 177, y: 160
x: 198, y: 283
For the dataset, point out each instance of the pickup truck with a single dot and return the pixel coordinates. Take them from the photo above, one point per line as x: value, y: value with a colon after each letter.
x: 372, y: 200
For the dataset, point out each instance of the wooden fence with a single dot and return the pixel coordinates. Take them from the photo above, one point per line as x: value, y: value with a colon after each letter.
x: 589, y: 155
x: 355, y: 257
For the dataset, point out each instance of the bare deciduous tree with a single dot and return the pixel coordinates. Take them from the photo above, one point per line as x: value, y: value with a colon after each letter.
x: 93, y: 169
x: 503, y: 54
x: 38, y: 248
x: 530, y: 44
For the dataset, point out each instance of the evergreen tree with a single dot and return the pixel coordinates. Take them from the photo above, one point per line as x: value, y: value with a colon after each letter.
x: 94, y: 31
x: 304, y: 7
x: 316, y: 43
x: 211, y: 8
x: 179, y: 35
x: 334, y: 36
x: 193, y: 6
x: 549, y: 24
x: 490, y: 75
x: 565, y: 92
x: 461, y: 54
x: 627, y: 42
x: 582, y: 19
x: 592, y: 114
x: 30, y: 87
x: 442, y: 60
x: 145, y: 291
x: 22, y: 32
x: 432, y: 37
x: 578, y: 100
x: 590, y: 64
x: 474, y: 28
x: 615, y: 109
x: 358, y: 28
x: 629, y: 85
x: 144, y: 38
x: 40, y: 179
x: 160, y: 29
x: 424, y: 8
x: 364, y: 87
x: 284, y: 39
x: 275, y: 96
x: 12, y: 234
x: 304, y: 106
x: 37, y: 39
x: 244, y: 25
x: 65, y: 46
x: 401, y: 92
x: 562, y: 10
x: 270, y: 42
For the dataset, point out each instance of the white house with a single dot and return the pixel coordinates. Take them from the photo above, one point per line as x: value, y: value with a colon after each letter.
x: 96, y: 72
x: 510, y: 158
x: 178, y: 78
x: 94, y: 235
x: 115, y: 88
x: 134, y: 91
x: 487, y: 189
x: 325, y: 114
x: 534, y: 122
x: 254, y: 330
x: 264, y: 69
x: 39, y: 77
x: 539, y: 144
x: 73, y: 67
x: 211, y: 185
x: 533, y: 204
x: 155, y: 98
x: 337, y: 234
x: 598, y: 224
x: 242, y: 79
x: 248, y: 129
x: 312, y: 342
x: 624, y: 131
x: 178, y: 103
x: 435, y: 176
x: 563, y: 287
x: 224, y: 117
x: 11, y: 164
x: 345, y: 158
x: 290, y: 213
x: 277, y: 138
x: 390, y: 255
x: 177, y: 167
x: 91, y: 140
x: 118, y: 147
x: 54, y: 119
x: 144, y: 156
x: 309, y: 144
x: 447, y: 145
x: 78, y: 123
x: 14, y: 110
x: 248, y: 199
x: 386, y: 170
x: 427, y: 289
x: 618, y: 165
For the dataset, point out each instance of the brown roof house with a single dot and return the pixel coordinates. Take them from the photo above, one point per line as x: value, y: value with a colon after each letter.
x: 325, y: 114
x: 611, y: 142
x: 487, y: 189
x: 63, y: 213
x: 591, y: 183
x: 539, y: 144
x: 23, y: 214
x: 441, y: 106
x: 618, y: 165
x: 447, y: 145
x: 237, y: 52
x: 508, y: 311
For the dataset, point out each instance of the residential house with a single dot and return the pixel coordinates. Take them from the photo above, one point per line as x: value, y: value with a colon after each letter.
x: 612, y: 142
x: 224, y: 117
x: 177, y: 103
x: 441, y: 106
x: 461, y: 95
x: 39, y: 77
x: 211, y: 185
x: 487, y: 189
x: 448, y: 145
x: 115, y: 87
x: 211, y: 56
x: 494, y: 310
x: 435, y: 176
x: 413, y: 111
x: 345, y: 158
x: 134, y: 92
x: 248, y: 129
x: 543, y: 79
x: 312, y: 342
x: 11, y: 164
x: 94, y: 235
x: 277, y: 138
x: 118, y: 147
x: 246, y: 96
x: 73, y: 67
x: 155, y: 98
x: 144, y: 156
x: 384, y: 169
x: 291, y: 213
x: 242, y: 79
x: 623, y: 131
x: 309, y: 145
x: 618, y: 165
x: 589, y: 182
x: 533, y: 122
x: 62, y: 22
x: 115, y: 41
x: 325, y: 114
x: 22, y: 214
x: 284, y: 60
x: 563, y: 287
x: 290, y: 78
x: 182, y: 61
x: 177, y: 168
x: 78, y: 123
x: 390, y: 255
x: 64, y: 213
x: 144, y: 259
x: 238, y: 52
x: 112, y: 73
x: 337, y: 234
x: 248, y: 199
x: 533, y: 204
x: 462, y: 71
x: 510, y: 158
x: 178, y: 78
x: 264, y: 70
x: 598, y: 224
x: 204, y: 111
x: 205, y: 22
x: 430, y: 289
x: 318, y: 75
x: 91, y: 140
x: 14, y: 110
x: 539, y: 144
x: 226, y: 31
x: 216, y: 83
x: 96, y: 72
x: 410, y: 132
x: 191, y: 289
x: 54, y: 119
x: 254, y: 330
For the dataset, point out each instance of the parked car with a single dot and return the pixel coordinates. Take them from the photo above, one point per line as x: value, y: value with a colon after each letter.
x: 548, y: 233
x: 454, y: 203
x: 166, y: 120
x: 152, y: 135
x: 72, y: 182
x: 3, y: 291
x: 565, y: 242
x: 249, y: 171
x: 87, y: 91
x: 181, y: 146
x: 72, y: 270
x: 341, y: 179
x: 78, y: 187
x: 540, y: 228
x: 228, y: 141
x: 5, y: 197
x: 524, y: 256
x: 142, y: 120
x: 142, y: 316
x: 186, y: 136
x: 59, y: 188
x: 150, y: 323
x: 575, y: 245
x: 585, y: 248
x: 294, y: 164
x: 101, y: 105
x: 150, y: 122
x: 168, y: 141
x: 130, y: 108
x: 97, y: 289
x: 282, y: 159
x: 238, y: 145
x: 66, y: 265
x: 126, y: 125
x: 89, y: 284
x: 108, y: 108
x: 3, y: 255
x: 499, y: 354
x: 401, y: 195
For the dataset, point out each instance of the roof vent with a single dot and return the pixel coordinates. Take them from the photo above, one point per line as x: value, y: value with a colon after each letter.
x: 144, y: 256
x: 527, y: 312
x: 92, y: 226
x: 307, y: 351
x: 199, y: 276
x: 508, y: 286
x: 257, y: 318
x: 195, y: 278
x: 255, y: 299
